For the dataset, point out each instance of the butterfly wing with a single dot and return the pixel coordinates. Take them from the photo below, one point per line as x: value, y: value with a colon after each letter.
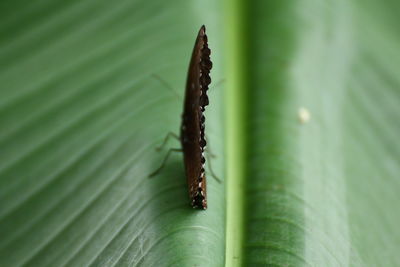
x: 192, y: 129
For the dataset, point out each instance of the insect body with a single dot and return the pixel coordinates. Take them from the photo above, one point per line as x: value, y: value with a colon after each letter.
x: 192, y: 130
x: 192, y: 136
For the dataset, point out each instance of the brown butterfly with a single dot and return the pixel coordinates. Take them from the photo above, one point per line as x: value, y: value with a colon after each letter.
x: 192, y: 136
x: 192, y: 130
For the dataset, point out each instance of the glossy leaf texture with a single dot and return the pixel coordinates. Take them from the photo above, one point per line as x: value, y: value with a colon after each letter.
x: 85, y: 100
x: 322, y: 112
x: 82, y: 109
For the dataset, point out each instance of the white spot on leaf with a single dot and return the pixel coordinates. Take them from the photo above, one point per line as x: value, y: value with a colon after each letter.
x: 304, y: 115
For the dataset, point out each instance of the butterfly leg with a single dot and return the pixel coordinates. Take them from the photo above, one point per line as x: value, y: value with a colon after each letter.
x: 211, y: 170
x: 165, y: 161
x: 170, y: 134
x: 208, y: 149
x: 209, y: 155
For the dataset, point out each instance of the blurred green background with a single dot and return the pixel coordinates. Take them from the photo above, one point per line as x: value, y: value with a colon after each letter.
x: 81, y: 114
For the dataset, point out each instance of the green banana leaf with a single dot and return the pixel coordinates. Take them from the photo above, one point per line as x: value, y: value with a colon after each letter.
x: 303, y: 121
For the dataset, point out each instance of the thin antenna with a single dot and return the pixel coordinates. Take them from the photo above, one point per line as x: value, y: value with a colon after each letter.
x: 163, y: 82
x: 217, y: 84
